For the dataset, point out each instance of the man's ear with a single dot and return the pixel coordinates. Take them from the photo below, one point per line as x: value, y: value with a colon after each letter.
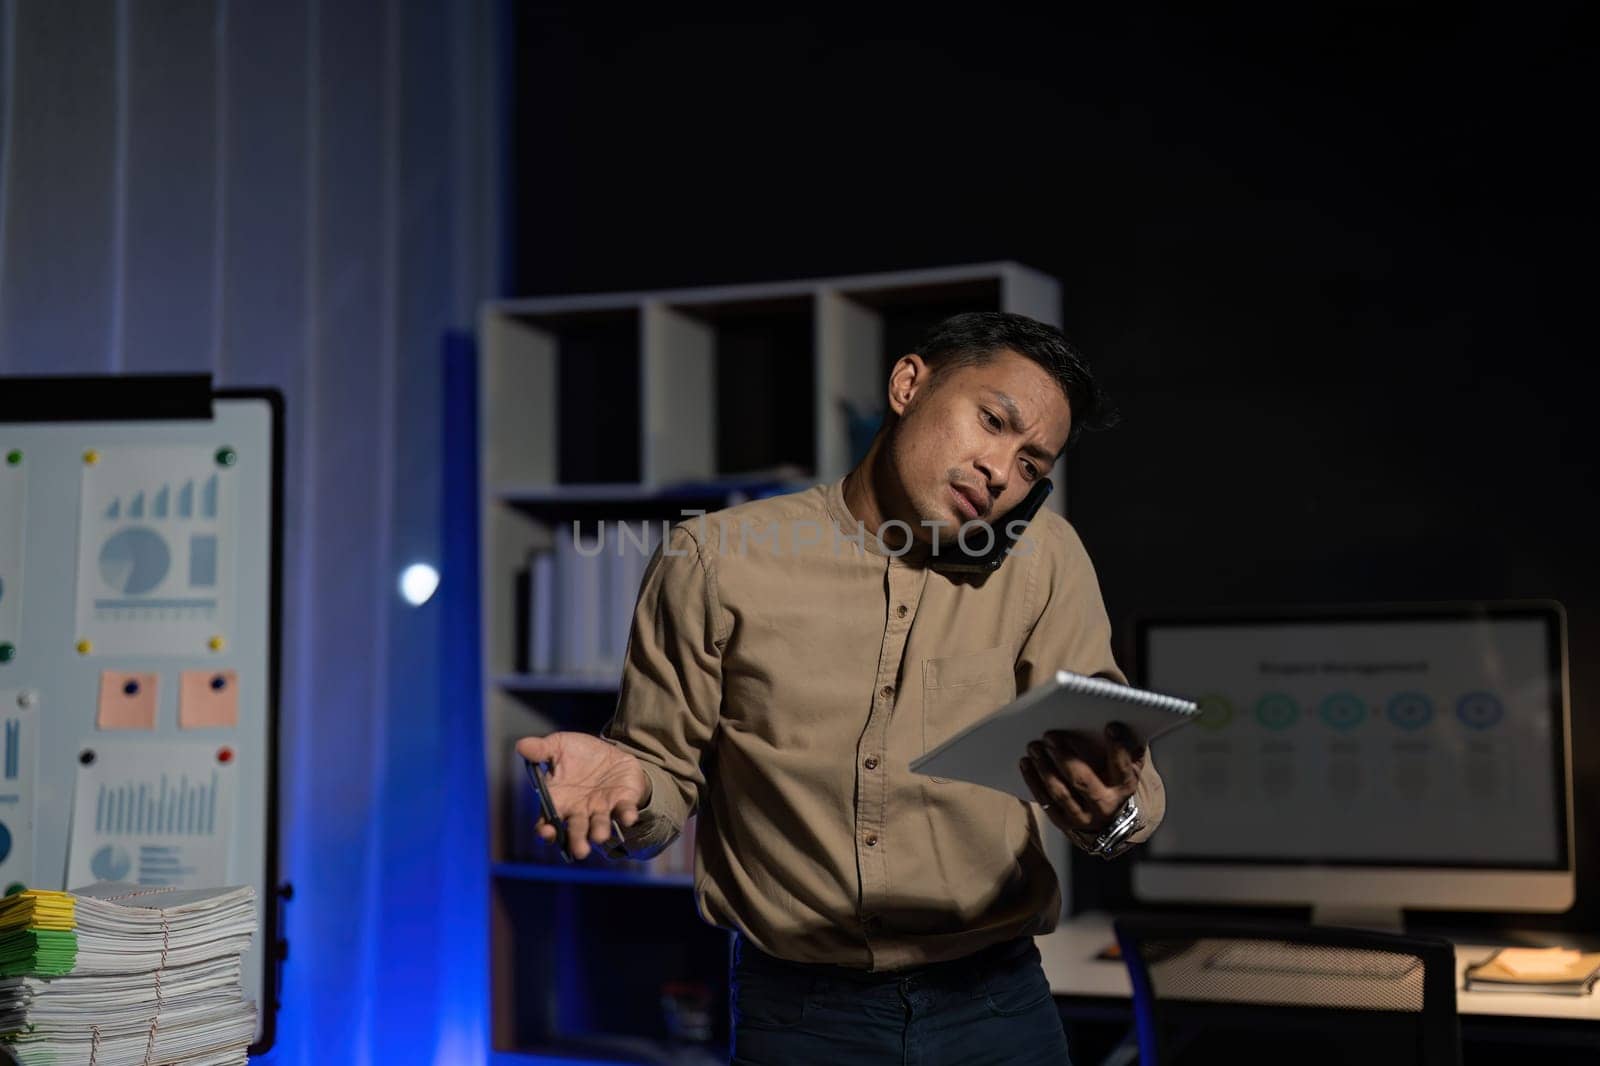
x: 909, y: 377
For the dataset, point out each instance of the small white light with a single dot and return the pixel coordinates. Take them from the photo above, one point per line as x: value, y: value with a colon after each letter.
x: 417, y: 583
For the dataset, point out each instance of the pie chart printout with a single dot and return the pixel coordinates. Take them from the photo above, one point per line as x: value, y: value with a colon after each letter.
x: 156, y: 529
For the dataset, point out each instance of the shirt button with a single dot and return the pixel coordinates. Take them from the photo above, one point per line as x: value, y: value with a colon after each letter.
x: 900, y: 611
x: 872, y: 762
x: 886, y: 691
x: 872, y: 840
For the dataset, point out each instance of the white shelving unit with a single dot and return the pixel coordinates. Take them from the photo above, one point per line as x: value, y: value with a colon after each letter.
x: 635, y: 405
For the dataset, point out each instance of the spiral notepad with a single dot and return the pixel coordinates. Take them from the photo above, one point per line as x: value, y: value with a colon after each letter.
x: 987, y: 752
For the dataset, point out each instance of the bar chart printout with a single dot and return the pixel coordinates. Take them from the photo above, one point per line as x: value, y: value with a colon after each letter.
x: 153, y: 813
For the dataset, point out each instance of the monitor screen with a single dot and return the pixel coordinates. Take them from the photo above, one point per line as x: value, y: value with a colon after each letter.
x: 1380, y: 739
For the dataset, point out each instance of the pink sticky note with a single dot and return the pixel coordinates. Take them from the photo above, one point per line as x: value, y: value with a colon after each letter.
x: 127, y: 701
x: 208, y: 699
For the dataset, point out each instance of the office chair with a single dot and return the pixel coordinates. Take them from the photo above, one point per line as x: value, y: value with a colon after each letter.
x: 1208, y: 991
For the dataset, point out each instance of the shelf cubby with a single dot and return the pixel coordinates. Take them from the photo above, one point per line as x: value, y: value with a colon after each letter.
x: 598, y: 968
x: 762, y: 358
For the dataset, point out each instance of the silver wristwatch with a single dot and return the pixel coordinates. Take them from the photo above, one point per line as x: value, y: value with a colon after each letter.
x: 1123, y: 825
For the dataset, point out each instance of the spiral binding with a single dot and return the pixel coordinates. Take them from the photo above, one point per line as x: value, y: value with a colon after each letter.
x: 1099, y: 686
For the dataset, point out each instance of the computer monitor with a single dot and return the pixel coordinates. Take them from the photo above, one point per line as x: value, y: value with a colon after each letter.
x: 1363, y: 760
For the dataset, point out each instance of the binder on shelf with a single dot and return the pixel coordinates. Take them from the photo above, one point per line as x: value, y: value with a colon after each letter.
x: 626, y: 558
x: 541, y: 611
x: 580, y: 606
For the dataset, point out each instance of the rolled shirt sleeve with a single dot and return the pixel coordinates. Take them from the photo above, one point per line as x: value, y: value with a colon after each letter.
x: 671, y: 689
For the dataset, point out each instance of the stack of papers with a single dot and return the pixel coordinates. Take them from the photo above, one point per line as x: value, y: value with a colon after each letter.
x: 123, y: 975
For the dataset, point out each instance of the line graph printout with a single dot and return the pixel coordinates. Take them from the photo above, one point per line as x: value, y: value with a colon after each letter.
x: 156, y: 533
x: 13, y: 513
x: 153, y: 814
x: 19, y: 756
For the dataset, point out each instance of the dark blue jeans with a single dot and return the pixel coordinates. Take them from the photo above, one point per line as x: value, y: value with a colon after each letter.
x: 990, y: 1008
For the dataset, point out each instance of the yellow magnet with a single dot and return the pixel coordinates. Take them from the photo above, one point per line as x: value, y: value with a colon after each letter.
x: 215, y: 643
x: 91, y: 457
x: 84, y: 647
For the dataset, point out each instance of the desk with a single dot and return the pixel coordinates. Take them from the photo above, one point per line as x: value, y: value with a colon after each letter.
x: 1074, y: 972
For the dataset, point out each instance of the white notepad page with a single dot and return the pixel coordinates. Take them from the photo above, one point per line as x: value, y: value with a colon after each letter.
x: 987, y: 753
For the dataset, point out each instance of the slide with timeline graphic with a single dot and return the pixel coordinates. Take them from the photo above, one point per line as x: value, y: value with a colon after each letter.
x: 1418, y: 740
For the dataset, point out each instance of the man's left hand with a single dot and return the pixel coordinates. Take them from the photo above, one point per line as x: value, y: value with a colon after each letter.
x: 1082, y: 780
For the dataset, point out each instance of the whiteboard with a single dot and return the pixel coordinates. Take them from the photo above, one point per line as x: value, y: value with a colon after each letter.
x: 139, y: 650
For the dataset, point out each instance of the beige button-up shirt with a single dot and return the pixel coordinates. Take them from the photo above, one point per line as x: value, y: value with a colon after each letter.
x: 783, y: 669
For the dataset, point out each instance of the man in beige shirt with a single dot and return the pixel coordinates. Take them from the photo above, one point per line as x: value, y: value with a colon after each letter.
x: 790, y: 656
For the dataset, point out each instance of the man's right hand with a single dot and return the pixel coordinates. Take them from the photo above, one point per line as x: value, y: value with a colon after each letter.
x: 591, y: 782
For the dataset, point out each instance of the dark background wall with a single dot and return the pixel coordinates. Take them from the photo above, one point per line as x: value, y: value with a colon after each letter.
x: 1333, y: 264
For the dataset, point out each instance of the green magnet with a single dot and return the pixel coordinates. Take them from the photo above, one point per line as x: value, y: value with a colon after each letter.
x: 226, y: 456
x: 14, y: 457
x: 8, y: 651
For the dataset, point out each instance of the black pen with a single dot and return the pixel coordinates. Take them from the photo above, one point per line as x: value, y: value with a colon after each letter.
x: 547, y: 806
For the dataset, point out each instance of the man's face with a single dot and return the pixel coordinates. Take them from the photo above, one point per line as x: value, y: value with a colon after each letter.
x: 972, y: 441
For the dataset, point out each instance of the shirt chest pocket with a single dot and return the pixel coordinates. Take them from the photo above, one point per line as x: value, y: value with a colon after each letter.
x: 961, y: 690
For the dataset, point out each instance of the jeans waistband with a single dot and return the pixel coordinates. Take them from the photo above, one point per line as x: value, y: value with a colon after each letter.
x: 751, y: 958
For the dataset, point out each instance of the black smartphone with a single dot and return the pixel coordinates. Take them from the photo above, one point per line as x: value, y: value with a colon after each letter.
x: 953, y: 555
x: 547, y: 806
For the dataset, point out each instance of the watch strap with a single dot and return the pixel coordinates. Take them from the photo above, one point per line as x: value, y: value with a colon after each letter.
x: 1113, y: 840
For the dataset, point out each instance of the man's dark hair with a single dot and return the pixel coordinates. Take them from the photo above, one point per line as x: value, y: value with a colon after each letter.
x: 976, y: 337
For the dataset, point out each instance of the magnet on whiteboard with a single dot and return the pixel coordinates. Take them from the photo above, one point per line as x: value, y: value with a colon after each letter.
x: 26, y: 698
x: 216, y: 643
x: 91, y: 457
x: 84, y: 647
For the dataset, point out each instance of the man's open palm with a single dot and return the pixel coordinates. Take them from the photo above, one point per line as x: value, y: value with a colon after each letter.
x: 591, y: 782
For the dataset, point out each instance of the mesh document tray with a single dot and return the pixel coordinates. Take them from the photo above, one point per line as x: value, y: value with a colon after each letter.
x: 1283, y: 973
